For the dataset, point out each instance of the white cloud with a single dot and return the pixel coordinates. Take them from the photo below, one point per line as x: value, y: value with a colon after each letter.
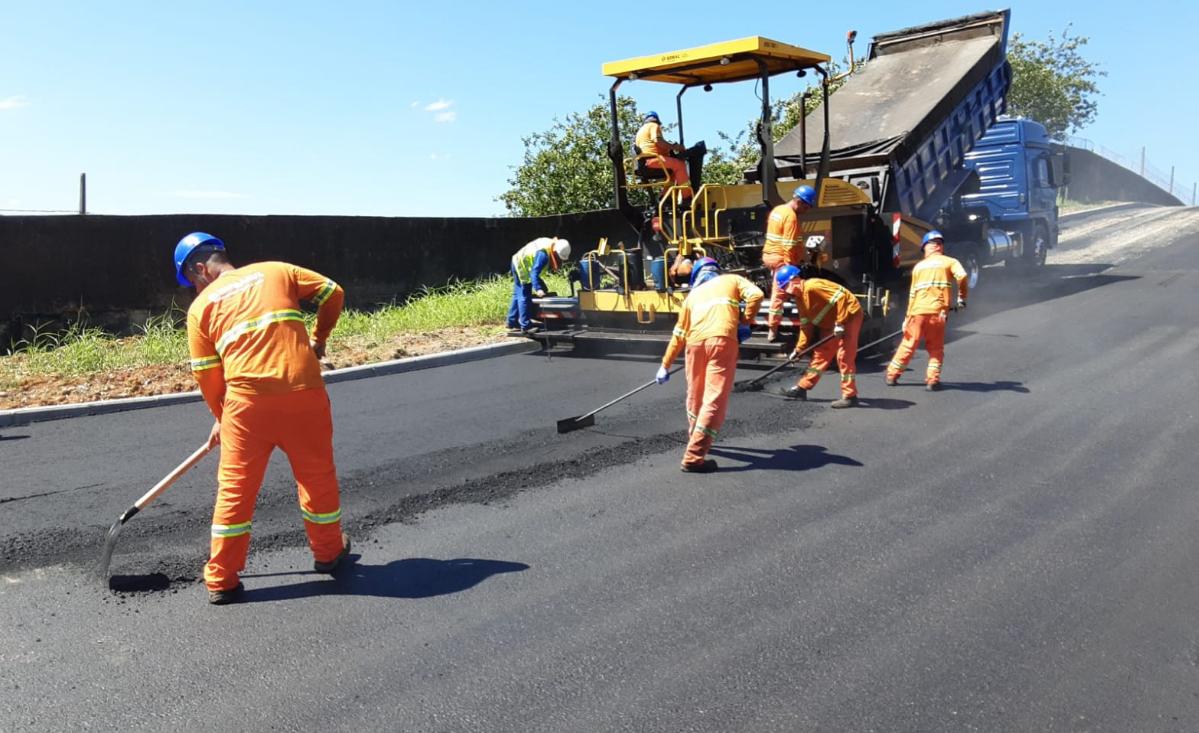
x: 13, y: 102
x: 205, y: 195
x: 415, y: 104
x: 445, y: 116
x: 439, y: 105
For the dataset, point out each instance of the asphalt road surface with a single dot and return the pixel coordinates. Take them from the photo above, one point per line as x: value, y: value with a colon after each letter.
x: 1016, y: 552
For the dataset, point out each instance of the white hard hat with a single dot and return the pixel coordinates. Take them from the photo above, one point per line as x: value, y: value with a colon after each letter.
x: 562, y: 249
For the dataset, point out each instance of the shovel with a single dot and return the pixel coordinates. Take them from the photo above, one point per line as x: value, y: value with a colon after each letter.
x: 111, y: 542
x: 587, y: 420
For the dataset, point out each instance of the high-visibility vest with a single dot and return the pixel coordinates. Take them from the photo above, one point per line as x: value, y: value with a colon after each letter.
x: 522, y: 261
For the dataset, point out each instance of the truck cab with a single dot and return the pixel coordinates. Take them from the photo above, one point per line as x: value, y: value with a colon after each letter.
x: 1019, y: 172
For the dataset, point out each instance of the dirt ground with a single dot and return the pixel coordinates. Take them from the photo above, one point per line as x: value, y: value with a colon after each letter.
x: 166, y: 379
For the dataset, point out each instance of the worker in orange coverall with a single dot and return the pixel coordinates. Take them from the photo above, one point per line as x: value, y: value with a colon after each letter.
x: 821, y: 303
x: 258, y: 372
x: 651, y: 141
x: 934, y: 280
x: 710, y: 326
x: 782, y: 248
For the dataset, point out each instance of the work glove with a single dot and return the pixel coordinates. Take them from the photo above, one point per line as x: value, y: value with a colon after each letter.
x: 961, y: 304
x: 539, y: 293
x: 663, y: 376
x: 318, y: 348
x: 838, y: 330
x: 743, y: 333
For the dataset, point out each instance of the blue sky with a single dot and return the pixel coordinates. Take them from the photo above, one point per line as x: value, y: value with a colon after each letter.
x: 407, y: 109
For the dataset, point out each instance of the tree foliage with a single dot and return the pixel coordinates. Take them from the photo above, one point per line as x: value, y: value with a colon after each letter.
x: 1053, y: 83
x: 566, y: 168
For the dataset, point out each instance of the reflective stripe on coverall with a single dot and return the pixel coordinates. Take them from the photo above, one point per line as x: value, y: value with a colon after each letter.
x: 251, y: 356
x: 933, y: 279
x: 707, y: 326
x: 823, y: 304
x: 781, y: 248
x: 650, y: 140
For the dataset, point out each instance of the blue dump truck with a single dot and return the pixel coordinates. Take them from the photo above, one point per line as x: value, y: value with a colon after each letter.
x: 1019, y: 172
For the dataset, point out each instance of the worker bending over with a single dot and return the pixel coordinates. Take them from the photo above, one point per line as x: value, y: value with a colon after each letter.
x: 934, y: 279
x: 650, y: 141
x: 258, y: 372
x: 824, y: 305
x: 527, y: 265
x: 710, y: 326
x: 782, y: 248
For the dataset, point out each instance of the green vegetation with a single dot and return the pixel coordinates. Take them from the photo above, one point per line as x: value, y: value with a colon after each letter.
x: 1053, y: 83
x: 82, y: 350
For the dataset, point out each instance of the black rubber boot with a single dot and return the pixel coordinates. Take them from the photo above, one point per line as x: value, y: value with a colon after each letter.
x: 796, y: 393
x: 708, y: 466
x: 933, y: 386
x: 224, y: 597
x: 892, y: 381
x: 329, y: 567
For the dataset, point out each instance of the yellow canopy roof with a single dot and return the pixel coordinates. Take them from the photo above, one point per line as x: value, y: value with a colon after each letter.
x: 716, y: 62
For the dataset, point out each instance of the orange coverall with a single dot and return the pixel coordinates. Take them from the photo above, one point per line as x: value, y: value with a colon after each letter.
x: 782, y: 248
x: 928, y: 309
x: 251, y: 355
x: 816, y: 298
x: 707, y: 327
x: 650, y: 141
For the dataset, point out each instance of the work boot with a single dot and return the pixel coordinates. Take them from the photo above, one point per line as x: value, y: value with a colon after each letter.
x: 329, y: 567
x: 795, y: 393
x: 531, y: 330
x: 708, y: 466
x: 773, y: 336
x: 223, y: 597
x: 515, y: 332
x: 892, y: 380
x: 844, y: 402
x: 933, y: 386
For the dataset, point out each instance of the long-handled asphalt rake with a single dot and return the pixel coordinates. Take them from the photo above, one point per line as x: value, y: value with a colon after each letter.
x: 588, y: 419
x: 755, y: 384
x: 110, y: 543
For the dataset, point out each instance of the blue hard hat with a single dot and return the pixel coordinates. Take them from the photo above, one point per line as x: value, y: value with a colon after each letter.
x: 806, y: 194
x: 704, y: 264
x: 785, y: 275
x: 652, y: 114
x: 931, y: 236
x: 187, y: 246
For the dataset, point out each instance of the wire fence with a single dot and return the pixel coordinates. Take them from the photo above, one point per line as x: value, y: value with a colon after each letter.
x: 1143, y: 167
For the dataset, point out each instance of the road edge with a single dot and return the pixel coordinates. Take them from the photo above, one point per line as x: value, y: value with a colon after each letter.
x: 27, y: 415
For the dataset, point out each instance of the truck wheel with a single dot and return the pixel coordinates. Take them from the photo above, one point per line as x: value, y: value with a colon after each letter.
x: 973, y: 267
x: 1038, y: 247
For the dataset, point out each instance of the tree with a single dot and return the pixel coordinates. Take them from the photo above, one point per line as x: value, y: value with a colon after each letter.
x: 566, y: 168
x: 1052, y: 83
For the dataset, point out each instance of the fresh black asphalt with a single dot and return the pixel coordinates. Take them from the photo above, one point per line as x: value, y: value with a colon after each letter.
x: 1015, y: 552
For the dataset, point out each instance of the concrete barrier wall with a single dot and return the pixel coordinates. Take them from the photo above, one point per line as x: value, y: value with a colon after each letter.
x: 54, y: 265
x: 1094, y: 178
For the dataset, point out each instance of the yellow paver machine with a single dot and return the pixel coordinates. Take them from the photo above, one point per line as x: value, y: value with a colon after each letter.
x: 872, y: 209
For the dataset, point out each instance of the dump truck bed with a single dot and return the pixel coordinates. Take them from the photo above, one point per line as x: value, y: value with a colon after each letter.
x: 915, y: 82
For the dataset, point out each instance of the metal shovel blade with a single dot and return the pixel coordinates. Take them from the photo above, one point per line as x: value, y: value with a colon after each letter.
x: 575, y: 423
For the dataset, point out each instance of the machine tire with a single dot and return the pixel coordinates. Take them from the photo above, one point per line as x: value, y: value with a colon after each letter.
x: 1036, y: 254
x: 973, y: 265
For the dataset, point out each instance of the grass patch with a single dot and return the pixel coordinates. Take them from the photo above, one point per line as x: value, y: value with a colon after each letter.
x: 83, y: 350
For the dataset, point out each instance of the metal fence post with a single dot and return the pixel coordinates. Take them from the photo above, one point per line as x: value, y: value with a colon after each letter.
x: 1142, y: 161
x: 82, y: 194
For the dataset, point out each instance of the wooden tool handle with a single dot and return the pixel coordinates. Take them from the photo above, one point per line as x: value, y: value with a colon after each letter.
x: 174, y: 475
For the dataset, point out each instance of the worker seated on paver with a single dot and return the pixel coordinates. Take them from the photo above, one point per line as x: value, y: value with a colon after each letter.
x: 824, y: 307
x: 650, y: 142
x: 782, y: 248
x: 527, y: 265
x: 710, y: 327
x: 258, y: 370
x: 934, y: 280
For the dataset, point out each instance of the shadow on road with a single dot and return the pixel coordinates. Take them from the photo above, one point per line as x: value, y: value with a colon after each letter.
x: 418, y: 577
x: 795, y: 458
x: 12, y: 437
x: 1001, y: 386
